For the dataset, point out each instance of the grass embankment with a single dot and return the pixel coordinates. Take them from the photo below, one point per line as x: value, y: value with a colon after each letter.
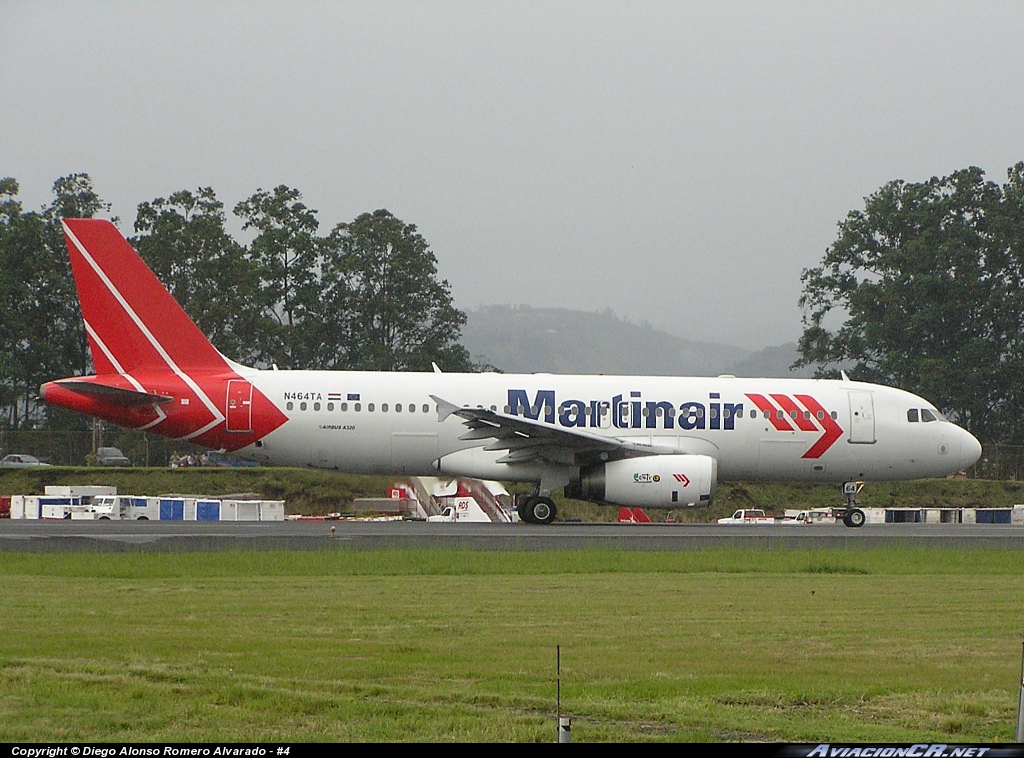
x: 317, y: 492
x: 867, y: 645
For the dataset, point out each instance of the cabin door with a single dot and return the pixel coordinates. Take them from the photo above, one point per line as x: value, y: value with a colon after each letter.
x: 862, y: 418
x: 239, y: 406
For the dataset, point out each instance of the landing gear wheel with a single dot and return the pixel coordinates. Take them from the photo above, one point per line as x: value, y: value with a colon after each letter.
x: 855, y: 518
x: 538, y: 510
x: 523, y: 508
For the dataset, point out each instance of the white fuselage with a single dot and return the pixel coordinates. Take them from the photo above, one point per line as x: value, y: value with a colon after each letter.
x: 772, y: 429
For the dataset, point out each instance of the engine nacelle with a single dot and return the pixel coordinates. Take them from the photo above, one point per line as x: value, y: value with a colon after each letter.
x: 655, y: 481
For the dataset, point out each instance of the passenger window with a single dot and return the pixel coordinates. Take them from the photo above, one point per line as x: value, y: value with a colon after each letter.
x: 316, y: 406
x: 344, y: 407
x: 912, y: 415
x: 834, y: 415
x: 383, y: 408
x: 290, y: 405
x: 398, y: 407
x: 369, y: 407
x: 426, y: 408
x: 820, y: 415
x: 927, y: 415
x: 302, y: 406
x: 330, y: 406
x: 359, y: 407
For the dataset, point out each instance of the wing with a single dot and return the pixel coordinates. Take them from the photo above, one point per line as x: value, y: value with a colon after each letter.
x: 529, y: 441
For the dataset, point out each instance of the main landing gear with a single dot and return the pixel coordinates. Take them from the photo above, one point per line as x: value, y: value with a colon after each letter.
x: 851, y: 514
x: 536, y: 510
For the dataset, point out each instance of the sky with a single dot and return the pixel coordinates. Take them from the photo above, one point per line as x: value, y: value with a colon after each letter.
x: 680, y: 163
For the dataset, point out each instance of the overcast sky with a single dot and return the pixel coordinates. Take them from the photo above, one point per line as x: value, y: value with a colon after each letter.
x: 681, y: 162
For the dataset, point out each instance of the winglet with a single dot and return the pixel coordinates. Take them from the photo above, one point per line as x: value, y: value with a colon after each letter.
x: 845, y: 377
x: 444, y: 408
x: 436, y: 369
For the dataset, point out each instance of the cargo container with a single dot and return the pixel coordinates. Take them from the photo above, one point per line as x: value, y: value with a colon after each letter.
x: 42, y: 506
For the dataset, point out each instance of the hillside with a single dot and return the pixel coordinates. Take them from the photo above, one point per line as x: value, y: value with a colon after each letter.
x: 523, y: 339
x: 771, y: 361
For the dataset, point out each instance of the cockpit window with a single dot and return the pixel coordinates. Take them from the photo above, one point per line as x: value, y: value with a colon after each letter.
x: 912, y: 415
x: 927, y: 415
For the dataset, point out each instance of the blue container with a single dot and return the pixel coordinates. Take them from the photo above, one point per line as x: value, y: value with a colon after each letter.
x: 172, y: 510
x: 208, y: 510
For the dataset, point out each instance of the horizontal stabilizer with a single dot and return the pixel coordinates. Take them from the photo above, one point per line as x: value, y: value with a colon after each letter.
x: 116, y: 395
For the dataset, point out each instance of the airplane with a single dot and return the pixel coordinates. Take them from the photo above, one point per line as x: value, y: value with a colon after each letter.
x: 633, y: 441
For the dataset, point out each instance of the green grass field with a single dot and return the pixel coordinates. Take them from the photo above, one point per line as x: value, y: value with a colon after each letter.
x: 880, y: 645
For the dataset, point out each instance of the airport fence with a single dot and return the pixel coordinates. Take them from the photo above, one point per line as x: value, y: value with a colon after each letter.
x: 1001, y: 462
x: 73, y: 448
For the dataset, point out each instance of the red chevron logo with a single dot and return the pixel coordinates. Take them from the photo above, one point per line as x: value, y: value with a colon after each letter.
x: 682, y: 478
x: 786, y: 412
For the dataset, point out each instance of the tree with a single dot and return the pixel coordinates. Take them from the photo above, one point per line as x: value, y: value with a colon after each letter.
x: 929, y: 280
x: 400, y: 317
x: 183, y: 239
x: 41, y: 333
x: 286, y: 254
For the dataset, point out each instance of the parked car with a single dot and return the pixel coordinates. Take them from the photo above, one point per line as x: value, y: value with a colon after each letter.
x: 15, y: 460
x: 111, y: 456
x: 217, y: 458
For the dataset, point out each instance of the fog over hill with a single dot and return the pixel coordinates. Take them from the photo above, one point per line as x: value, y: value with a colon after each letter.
x: 523, y: 339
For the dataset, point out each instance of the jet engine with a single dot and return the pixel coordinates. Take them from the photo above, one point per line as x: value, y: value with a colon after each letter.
x: 655, y: 481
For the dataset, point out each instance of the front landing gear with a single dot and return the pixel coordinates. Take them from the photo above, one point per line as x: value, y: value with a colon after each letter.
x: 851, y: 514
x: 537, y: 510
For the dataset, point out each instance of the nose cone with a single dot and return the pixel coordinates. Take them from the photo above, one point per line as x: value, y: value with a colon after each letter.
x: 970, y: 449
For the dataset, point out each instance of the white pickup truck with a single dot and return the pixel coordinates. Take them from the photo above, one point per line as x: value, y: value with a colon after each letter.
x: 748, y: 516
x: 804, y: 518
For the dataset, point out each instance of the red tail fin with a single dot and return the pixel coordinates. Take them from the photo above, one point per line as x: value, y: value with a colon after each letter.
x: 155, y: 369
x: 132, y: 321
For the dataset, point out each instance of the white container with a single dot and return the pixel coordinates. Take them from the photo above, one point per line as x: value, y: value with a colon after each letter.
x: 272, y: 510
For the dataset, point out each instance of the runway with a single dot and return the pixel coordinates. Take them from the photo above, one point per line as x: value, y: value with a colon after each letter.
x: 194, y: 536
